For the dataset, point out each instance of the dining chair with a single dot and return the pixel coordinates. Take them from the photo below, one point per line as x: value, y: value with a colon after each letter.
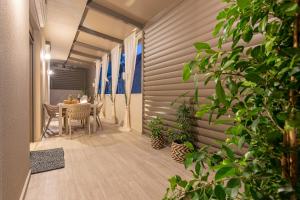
x: 53, y: 112
x: 98, y: 110
x: 79, y: 112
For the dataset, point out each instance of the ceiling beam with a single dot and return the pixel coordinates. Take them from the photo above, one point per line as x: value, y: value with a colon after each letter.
x: 84, y: 54
x: 100, y: 8
x: 81, y: 44
x: 81, y: 61
x: 77, y: 32
x: 98, y: 34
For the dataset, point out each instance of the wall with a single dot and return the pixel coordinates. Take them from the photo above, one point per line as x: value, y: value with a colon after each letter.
x: 14, y: 101
x: 58, y: 96
x: 135, y: 110
x: 168, y: 45
x: 38, y: 74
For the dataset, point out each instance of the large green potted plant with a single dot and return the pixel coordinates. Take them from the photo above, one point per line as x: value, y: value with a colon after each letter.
x: 156, y: 126
x: 181, y: 135
x: 259, y: 87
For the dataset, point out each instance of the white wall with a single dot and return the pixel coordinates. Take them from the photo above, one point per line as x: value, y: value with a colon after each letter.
x: 58, y: 96
x: 136, y: 106
x: 15, y: 100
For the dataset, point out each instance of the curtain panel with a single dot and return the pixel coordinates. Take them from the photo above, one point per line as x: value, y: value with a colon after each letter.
x: 115, y: 66
x: 97, y: 77
x: 130, y: 46
x: 104, y: 75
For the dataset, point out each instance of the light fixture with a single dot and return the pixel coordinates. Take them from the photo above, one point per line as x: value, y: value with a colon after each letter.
x: 50, y: 72
x: 47, y: 52
x: 47, y: 56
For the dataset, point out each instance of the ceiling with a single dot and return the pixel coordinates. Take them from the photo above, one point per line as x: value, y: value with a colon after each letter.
x: 63, y: 17
x: 104, y: 24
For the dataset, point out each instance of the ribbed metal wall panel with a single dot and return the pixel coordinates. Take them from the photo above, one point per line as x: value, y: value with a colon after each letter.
x: 168, y: 45
x: 68, y: 79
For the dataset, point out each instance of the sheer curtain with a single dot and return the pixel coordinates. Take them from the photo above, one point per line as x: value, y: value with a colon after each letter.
x: 97, y: 77
x: 104, y: 80
x: 130, y: 46
x: 115, y: 61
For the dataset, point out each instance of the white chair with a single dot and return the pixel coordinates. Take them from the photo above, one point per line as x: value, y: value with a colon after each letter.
x: 79, y: 112
x: 84, y: 99
x: 53, y: 112
x: 98, y: 110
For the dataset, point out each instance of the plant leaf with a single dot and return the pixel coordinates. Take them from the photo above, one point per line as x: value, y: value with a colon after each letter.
x: 234, y: 183
x: 243, y: 3
x: 187, y: 72
x: 220, y: 92
x: 201, y: 46
x: 229, y: 152
x: 189, y: 145
x: 220, y: 192
x: 225, y: 171
x: 218, y: 28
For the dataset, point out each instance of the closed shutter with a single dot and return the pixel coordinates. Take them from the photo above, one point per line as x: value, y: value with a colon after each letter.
x: 68, y: 79
x: 168, y: 45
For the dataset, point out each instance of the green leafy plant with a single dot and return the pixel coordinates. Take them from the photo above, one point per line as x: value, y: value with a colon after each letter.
x: 156, y: 126
x: 183, y: 131
x: 258, y: 87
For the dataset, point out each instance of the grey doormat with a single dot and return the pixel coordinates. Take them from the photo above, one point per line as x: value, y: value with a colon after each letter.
x: 46, y: 160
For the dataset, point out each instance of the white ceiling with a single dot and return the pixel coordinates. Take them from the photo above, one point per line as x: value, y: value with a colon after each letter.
x: 63, y: 17
x: 142, y: 10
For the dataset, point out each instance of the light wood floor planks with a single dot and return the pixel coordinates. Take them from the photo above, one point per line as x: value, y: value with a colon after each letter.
x: 109, y: 165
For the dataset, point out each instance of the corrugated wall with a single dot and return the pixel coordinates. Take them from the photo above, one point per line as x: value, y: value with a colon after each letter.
x: 68, y: 79
x: 168, y: 45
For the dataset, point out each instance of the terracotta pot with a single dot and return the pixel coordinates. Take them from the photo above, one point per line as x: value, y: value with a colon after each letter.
x: 157, y: 143
x: 178, y: 151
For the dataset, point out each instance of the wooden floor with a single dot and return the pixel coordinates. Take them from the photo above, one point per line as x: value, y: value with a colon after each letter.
x: 108, y: 165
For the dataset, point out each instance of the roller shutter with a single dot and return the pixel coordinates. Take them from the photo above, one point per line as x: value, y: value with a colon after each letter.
x: 168, y: 44
x: 68, y: 79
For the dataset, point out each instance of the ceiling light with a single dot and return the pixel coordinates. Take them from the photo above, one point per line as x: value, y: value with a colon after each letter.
x: 50, y: 72
x: 47, y: 56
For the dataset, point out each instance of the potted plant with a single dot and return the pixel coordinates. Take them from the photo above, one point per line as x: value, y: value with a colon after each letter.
x: 156, y: 127
x: 182, y: 134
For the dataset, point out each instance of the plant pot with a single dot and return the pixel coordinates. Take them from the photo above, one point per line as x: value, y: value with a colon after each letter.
x: 157, y: 143
x: 178, y: 151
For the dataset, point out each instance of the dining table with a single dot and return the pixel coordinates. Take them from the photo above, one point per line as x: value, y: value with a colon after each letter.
x: 63, y: 106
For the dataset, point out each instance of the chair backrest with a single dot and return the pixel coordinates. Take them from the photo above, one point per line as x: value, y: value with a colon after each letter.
x: 79, y: 111
x: 52, y: 110
x: 84, y: 99
x: 99, y: 107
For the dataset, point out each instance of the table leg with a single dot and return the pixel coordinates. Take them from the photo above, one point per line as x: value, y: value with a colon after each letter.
x: 60, y: 120
x: 94, y: 120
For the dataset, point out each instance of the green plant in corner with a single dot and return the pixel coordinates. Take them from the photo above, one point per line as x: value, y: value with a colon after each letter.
x: 183, y: 131
x: 182, y: 135
x: 258, y: 84
x: 156, y: 126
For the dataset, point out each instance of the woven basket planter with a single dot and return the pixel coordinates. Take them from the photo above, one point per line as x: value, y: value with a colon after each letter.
x: 178, y: 151
x: 157, y: 143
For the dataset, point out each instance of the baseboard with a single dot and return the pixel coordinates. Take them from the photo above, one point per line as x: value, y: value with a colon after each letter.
x: 24, y: 190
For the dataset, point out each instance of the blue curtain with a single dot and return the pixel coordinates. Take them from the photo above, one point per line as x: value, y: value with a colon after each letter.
x: 100, y: 81
x: 108, y: 86
x: 136, y: 86
x: 121, y: 82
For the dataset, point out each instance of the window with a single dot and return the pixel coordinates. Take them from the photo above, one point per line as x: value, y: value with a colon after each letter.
x: 136, y: 86
x: 108, y: 86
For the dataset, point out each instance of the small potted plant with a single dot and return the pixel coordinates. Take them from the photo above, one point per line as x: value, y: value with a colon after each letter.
x: 156, y: 127
x: 181, y: 137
